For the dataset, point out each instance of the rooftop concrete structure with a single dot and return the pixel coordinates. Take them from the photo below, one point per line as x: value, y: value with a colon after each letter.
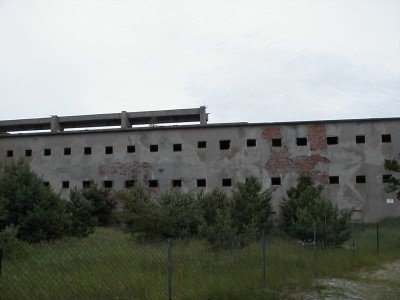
x: 346, y: 156
x: 124, y: 119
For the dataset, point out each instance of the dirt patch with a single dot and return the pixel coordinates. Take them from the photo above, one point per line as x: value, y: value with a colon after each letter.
x: 383, y: 283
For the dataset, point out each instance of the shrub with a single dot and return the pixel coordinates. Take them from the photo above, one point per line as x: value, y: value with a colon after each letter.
x: 140, y: 213
x: 251, y: 207
x: 81, y: 214
x: 179, y: 214
x: 220, y: 234
x: 228, y: 223
x: 103, y: 205
x: 305, y: 207
x: 35, y: 209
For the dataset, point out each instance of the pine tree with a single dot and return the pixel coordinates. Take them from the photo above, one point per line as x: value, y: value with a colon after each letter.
x: 38, y: 212
x: 305, y: 207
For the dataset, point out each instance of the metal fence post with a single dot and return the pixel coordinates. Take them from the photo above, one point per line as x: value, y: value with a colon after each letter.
x: 169, y: 267
x: 352, y: 234
x: 263, y: 256
x: 377, y: 238
x: 315, y: 250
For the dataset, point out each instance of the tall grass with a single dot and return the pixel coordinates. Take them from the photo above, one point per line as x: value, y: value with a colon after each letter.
x: 110, y: 265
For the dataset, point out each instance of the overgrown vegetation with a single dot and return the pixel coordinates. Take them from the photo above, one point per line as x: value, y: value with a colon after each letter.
x: 305, y: 208
x: 38, y: 212
x: 225, y: 222
x: 110, y: 264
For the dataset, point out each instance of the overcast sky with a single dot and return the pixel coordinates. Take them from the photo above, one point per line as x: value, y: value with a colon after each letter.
x: 255, y: 61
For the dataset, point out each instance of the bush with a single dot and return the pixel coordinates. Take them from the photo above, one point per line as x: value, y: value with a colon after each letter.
x: 103, y: 204
x: 179, y: 214
x: 251, y: 207
x: 81, y: 214
x: 140, y: 213
x: 305, y: 207
x: 234, y: 222
x: 35, y: 209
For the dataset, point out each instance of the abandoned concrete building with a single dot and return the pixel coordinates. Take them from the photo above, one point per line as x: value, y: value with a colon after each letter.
x: 346, y: 156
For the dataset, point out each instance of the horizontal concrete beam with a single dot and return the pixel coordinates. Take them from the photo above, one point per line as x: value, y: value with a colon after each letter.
x: 124, y: 119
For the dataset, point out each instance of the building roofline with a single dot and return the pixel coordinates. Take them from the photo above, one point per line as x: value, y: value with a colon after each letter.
x: 193, y: 126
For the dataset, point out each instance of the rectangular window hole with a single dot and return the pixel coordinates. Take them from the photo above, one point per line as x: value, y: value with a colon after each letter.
x: 109, y: 150
x: 129, y: 183
x: 386, y: 178
x: 153, y: 148
x: 276, y: 142
x: 201, y: 144
x: 87, y: 150
x: 130, y: 149
x: 86, y: 184
x: 226, y: 182
x: 10, y: 153
x: 47, y: 152
x: 360, y: 139
x: 386, y: 138
x: 251, y: 142
x: 301, y: 141
x: 107, y: 184
x: 333, y: 179
x: 67, y: 151
x: 176, y: 183
x: 46, y: 183
x: 65, y: 184
x: 224, y: 144
x: 177, y: 147
x: 275, y: 181
x: 361, y: 179
x: 153, y: 183
x: 28, y: 152
x: 332, y: 140
x: 201, y: 183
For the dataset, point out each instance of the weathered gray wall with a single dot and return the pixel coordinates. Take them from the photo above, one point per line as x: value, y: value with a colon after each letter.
x: 346, y: 160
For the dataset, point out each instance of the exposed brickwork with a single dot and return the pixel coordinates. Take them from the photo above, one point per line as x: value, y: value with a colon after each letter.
x: 317, y: 137
x: 272, y: 132
x: 281, y: 163
x: 123, y: 169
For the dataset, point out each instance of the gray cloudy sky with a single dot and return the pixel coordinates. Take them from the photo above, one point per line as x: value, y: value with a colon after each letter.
x: 255, y: 61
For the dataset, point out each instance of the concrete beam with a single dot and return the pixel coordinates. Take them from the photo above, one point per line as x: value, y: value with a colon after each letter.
x: 124, y: 119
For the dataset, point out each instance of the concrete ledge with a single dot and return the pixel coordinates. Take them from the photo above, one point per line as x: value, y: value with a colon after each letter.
x: 124, y: 119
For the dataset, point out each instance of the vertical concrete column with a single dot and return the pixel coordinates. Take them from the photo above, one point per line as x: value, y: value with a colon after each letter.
x: 203, y: 115
x: 125, y: 123
x: 55, y: 124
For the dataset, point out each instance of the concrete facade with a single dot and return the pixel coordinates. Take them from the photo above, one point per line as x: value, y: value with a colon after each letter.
x: 273, y: 152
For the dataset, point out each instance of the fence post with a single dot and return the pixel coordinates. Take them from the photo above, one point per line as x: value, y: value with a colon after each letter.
x: 352, y: 234
x: 263, y: 256
x: 377, y: 238
x: 169, y: 267
x: 315, y: 250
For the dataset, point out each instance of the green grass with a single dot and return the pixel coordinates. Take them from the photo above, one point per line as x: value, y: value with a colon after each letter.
x: 110, y: 265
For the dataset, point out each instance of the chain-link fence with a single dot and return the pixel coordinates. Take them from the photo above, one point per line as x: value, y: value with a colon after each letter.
x: 110, y: 264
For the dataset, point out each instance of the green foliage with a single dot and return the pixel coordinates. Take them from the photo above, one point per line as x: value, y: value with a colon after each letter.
x: 179, y: 214
x: 251, y: 206
x: 220, y: 233
x: 213, y: 215
x: 35, y: 209
x: 305, y: 207
x: 7, y: 232
x: 102, y: 203
x: 394, y: 185
x: 81, y: 214
x: 234, y: 222
x: 140, y: 213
